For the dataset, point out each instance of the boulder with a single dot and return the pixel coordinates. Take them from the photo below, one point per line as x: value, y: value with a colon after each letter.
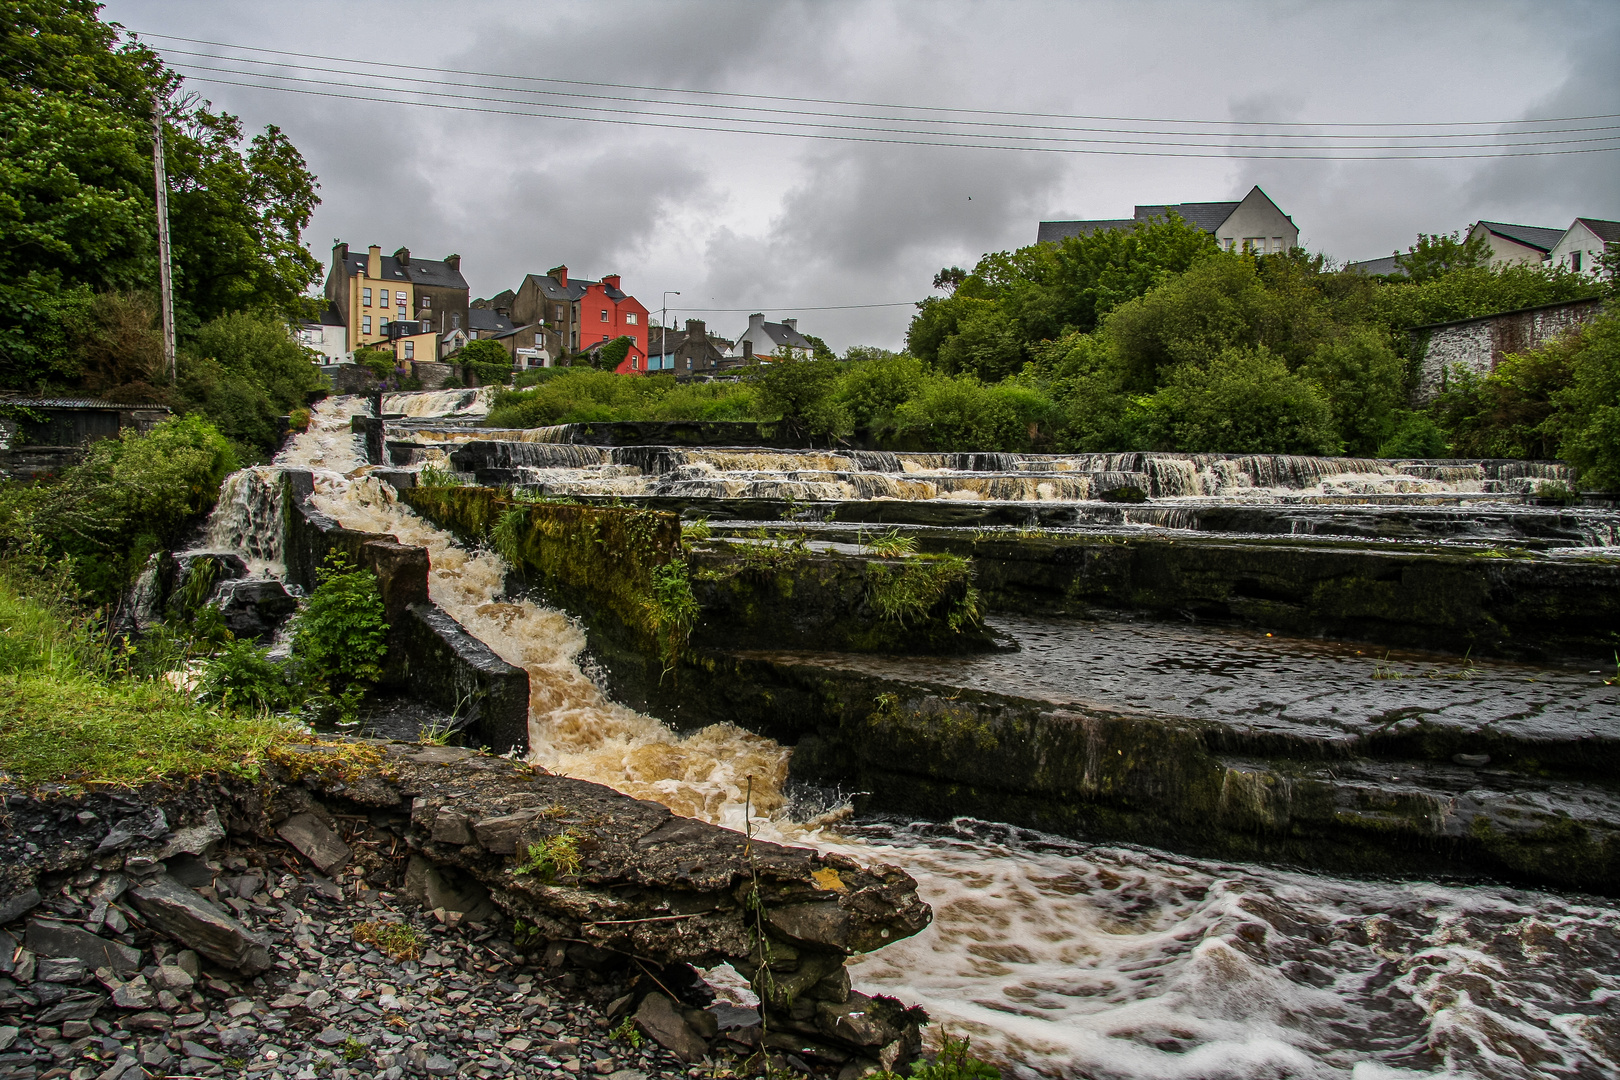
x: 18, y: 904
x: 825, y: 924
x: 47, y: 938
x: 316, y: 842
x: 659, y: 1021
x: 191, y: 920
x: 438, y: 888
x: 254, y: 608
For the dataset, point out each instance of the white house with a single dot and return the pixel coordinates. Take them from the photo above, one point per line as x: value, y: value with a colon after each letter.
x: 772, y: 341
x: 328, y: 336
x: 1252, y: 223
x: 1578, y: 249
x: 1515, y: 243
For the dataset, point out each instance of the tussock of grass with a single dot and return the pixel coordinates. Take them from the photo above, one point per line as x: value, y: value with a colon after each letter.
x: 399, y: 940
x: 67, y: 715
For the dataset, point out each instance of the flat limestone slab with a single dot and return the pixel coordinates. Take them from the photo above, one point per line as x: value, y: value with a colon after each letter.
x: 1274, y: 691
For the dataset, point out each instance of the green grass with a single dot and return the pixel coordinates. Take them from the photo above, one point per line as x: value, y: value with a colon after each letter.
x: 68, y: 715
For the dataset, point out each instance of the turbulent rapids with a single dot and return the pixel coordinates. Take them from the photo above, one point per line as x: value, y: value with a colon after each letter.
x: 1059, y: 958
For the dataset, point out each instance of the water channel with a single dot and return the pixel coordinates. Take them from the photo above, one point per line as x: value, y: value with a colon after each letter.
x: 1059, y: 958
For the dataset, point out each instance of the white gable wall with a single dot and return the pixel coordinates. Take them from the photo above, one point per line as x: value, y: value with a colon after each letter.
x: 1258, y: 221
x: 1579, y: 241
x: 1504, y: 249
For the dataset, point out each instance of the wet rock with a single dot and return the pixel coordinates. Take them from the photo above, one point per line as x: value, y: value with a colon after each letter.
x: 54, y: 939
x: 238, y: 1039
x: 18, y: 904
x: 315, y: 841
x: 78, y: 1008
x: 659, y: 1021
x: 824, y: 924
x: 135, y: 994
x: 122, y: 1066
x: 254, y: 608
x: 194, y: 839
x: 437, y: 888
x: 172, y: 978
x: 185, y: 916
x: 63, y: 969
x: 8, y: 1036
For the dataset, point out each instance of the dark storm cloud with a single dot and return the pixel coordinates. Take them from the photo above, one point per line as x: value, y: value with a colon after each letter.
x: 737, y: 220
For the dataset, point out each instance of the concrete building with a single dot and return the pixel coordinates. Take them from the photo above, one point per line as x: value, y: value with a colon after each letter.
x: 327, y: 336
x: 1477, y: 345
x: 693, y: 351
x: 1252, y: 223
x: 771, y: 341
x: 1515, y: 243
x: 371, y: 291
x: 1582, y: 243
x: 583, y: 313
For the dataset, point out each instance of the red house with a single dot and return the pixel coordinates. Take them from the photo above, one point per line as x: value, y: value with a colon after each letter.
x: 607, y: 312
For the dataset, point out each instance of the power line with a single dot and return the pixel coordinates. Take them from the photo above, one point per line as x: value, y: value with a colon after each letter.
x: 1010, y: 140
x: 418, y: 81
x: 795, y: 307
x: 879, y: 105
x: 817, y: 136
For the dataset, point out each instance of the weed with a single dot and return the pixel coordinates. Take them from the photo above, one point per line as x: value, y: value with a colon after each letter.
x: 695, y: 532
x: 891, y: 545
x: 1616, y: 680
x: 242, y: 677
x: 551, y: 858
x: 507, y: 535
x: 400, y: 941
x: 1556, y: 491
x: 352, y: 1049
x: 525, y: 936
x: 673, y: 611
x: 437, y: 733
x: 910, y: 591
x: 955, y: 1062
x: 628, y: 1033
x: 432, y: 476
x: 341, y: 636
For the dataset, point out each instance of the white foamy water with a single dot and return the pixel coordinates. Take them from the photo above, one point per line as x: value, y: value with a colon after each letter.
x: 446, y: 403
x: 1075, y: 960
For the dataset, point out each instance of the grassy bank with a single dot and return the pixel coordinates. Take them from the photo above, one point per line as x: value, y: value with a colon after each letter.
x: 69, y: 712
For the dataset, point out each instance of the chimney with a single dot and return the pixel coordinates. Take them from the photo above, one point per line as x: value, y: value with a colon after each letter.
x: 560, y: 273
x: 454, y: 262
x: 791, y: 324
x: 611, y: 280
x: 340, y: 253
x: 748, y: 350
x: 695, y: 330
x: 505, y: 313
x: 404, y: 256
x: 374, y: 261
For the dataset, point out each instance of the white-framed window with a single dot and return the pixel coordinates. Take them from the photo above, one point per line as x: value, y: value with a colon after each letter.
x: 424, y: 301
x: 1575, y: 261
x: 561, y: 315
x: 630, y: 318
x: 410, y: 350
x: 382, y: 298
x: 604, y: 315
x: 365, y: 324
x: 455, y: 320
x: 1277, y: 244
x: 365, y: 297
x: 427, y: 326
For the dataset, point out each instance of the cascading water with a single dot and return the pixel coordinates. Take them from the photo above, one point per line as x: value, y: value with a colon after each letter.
x: 1065, y: 959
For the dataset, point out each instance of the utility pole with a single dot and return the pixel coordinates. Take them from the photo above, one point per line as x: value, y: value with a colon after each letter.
x: 663, y: 324
x: 165, y: 275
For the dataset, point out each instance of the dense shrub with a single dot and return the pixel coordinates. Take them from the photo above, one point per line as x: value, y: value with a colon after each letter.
x: 1244, y: 401
x: 244, y: 371
x: 962, y: 413
x: 129, y: 497
x: 1588, y: 409
x: 340, y: 638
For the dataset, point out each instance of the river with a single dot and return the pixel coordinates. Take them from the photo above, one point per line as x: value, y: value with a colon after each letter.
x: 1061, y: 958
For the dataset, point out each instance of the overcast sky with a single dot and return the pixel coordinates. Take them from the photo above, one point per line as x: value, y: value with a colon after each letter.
x: 747, y: 221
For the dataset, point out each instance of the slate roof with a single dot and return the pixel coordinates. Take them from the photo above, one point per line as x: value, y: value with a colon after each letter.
x: 487, y: 320
x: 77, y: 403
x: 1206, y: 215
x: 1374, y: 267
x: 419, y: 272
x: 1542, y: 239
x: 330, y: 316
x: 1607, y: 231
x: 1053, y: 231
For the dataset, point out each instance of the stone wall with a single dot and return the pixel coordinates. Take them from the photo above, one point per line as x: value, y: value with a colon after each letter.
x: 1478, y: 345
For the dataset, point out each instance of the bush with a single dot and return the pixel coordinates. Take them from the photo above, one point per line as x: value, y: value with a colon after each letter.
x: 1415, y: 435
x: 341, y: 636
x: 244, y: 371
x: 611, y: 355
x: 241, y: 676
x: 1588, y: 417
x: 1243, y: 402
x: 380, y: 362
x: 872, y: 389
x: 130, y: 496
x: 964, y: 414
x: 487, y: 361
x: 1363, y: 379
x: 801, y: 393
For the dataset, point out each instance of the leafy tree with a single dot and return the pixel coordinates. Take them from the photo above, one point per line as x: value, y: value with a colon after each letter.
x: 1588, y: 418
x: 244, y: 372
x: 962, y: 413
x: 819, y: 350
x: 1436, y: 254
x: 1364, y: 381
x: 801, y: 392
x: 1244, y: 401
x: 1415, y: 435
x: 949, y: 278
x: 489, y: 361
x: 988, y: 343
x: 871, y: 390
x: 77, y: 213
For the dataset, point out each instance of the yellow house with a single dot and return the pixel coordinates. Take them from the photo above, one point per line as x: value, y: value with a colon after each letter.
x: 373, y: 291
x: 412, y: 347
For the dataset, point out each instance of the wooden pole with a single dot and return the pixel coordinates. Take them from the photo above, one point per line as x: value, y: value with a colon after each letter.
x: 165, y: 275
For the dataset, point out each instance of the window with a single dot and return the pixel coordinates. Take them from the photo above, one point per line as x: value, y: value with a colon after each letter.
x: 1254, y: 244
x: 365, y: 297
x: 427, y: 326
x: 604, y: 315
x: 382, y: 325
x: 410, y: 350
x: 382, y: 298
x: 630, y: 318
x: 425, y: 301
x: 1227, y: 243
x: 365, y: 324
x: 560, y: 315
x: 1277, y: 244
x: 1575, y: 261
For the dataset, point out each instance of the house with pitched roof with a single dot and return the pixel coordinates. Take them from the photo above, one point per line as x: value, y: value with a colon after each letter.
x: 771, y: 341
x: 1516, y: 243
x: 1252, y: 223
x: 583, y: 313
x: 1582, y: 243
x: 374, y: 290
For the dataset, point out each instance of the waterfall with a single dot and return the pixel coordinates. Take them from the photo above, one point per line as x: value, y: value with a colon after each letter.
x: 439, y: 403
x: 247, y: 520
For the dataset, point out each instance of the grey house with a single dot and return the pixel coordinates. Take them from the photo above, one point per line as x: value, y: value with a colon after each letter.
x: 1253, y: 223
